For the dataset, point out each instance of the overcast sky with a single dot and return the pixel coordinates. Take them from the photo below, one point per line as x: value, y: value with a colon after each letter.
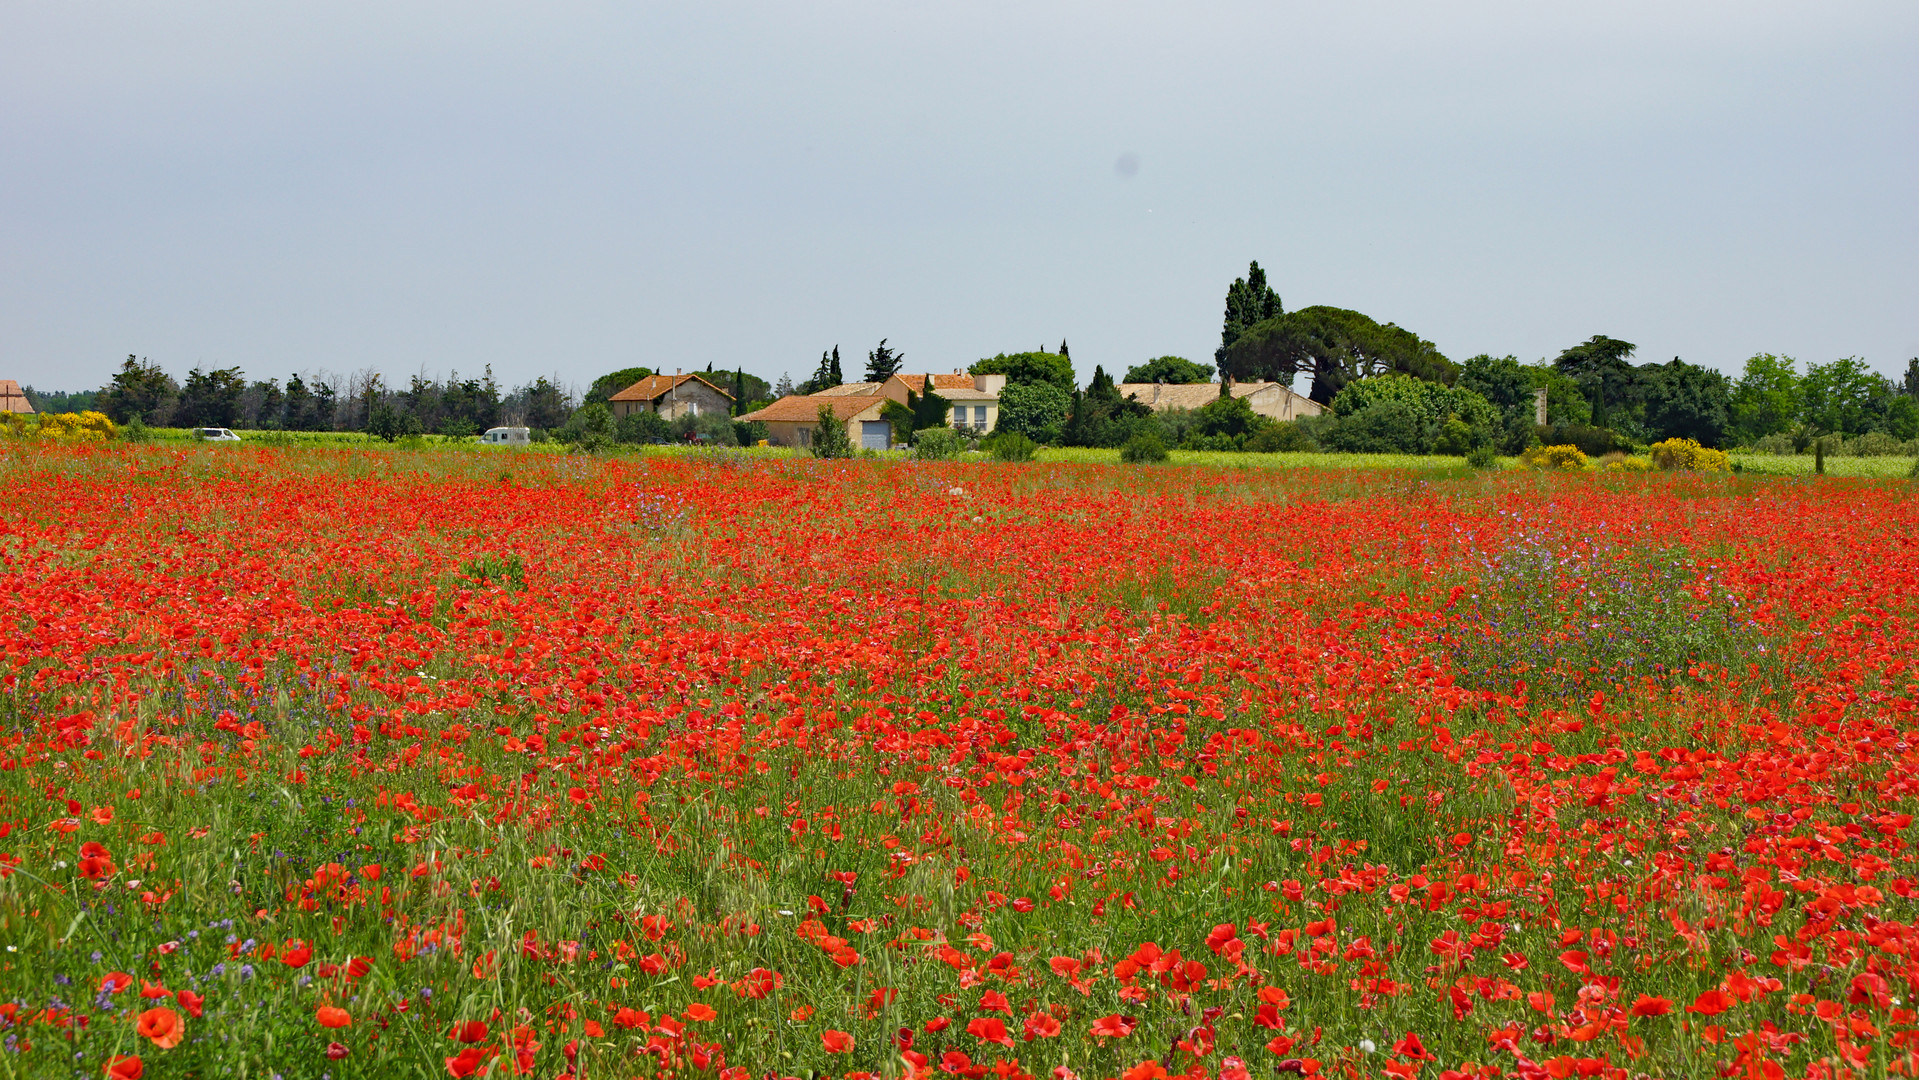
x: 575, y: 188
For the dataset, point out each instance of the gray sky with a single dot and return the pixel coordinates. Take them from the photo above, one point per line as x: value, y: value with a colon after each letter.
x: 573, y: 188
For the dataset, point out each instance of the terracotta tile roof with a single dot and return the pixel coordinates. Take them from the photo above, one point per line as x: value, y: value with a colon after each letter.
x: 12, y: 399
x: 654, y: 386
x: 942, y: 381
x: 852, y: 389
x: 803, y: 408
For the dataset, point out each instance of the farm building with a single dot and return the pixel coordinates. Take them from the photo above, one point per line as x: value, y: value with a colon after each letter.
x: 792, y: 421
x: 12, y: 398
x: 1275, y: 401
x: 672, y: 396
x: 974, y: 398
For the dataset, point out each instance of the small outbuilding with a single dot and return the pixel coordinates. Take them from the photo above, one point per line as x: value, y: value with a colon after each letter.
x: 12, y: 398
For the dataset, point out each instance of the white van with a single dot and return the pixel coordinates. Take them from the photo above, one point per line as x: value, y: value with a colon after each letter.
x: 215, y: 434
x: 507, y: 436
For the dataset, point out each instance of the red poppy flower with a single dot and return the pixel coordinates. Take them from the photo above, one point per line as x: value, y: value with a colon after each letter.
x: 1113, y: 1027
x: 1041, y: 1025
x: 125, y: 1068
x: 989, y: 1029
x: 193, y: 1003
x: 331, y: 1017
x: 470, y: 1031
x: 163, y: 1027
x: 836, y: 1042
x: 1651, y: 1006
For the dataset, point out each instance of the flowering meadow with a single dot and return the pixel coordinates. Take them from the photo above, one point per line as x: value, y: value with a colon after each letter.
x: 342, y: 763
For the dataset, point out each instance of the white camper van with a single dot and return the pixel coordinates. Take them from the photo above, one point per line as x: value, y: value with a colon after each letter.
x: 506, y: 436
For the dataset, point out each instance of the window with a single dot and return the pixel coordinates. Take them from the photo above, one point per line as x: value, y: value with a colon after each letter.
x: 979, y: 417
x: 959, y: 416
x: 806, y: 436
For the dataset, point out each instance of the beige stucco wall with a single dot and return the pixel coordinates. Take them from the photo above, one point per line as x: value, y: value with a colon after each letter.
x: 800, y: 432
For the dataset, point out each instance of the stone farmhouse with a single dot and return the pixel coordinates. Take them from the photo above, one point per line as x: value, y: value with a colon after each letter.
x: 672, y: 396
x: 1275, y: 401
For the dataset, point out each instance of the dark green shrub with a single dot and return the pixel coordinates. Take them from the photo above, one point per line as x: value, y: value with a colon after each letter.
x: 1286, y: 437
x: 1010, y: 446
x: 938, y: 444
x: 644, y: 428
x: 830, y: 439
x: 1389, y: 427
x: 1482, y: 457
x: 1454, y: 438
x: 1592, y: 441
x: 1143, y: 449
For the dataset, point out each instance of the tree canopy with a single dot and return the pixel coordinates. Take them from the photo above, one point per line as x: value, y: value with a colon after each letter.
x: 1029, y: 367
x: 1035, y: 409
x: 1599, y: 366
x: 1172, y: 370
x: 140, y: 388
x: 1249, y: 302
x: 826, y: 376
x: 1334, y: 345
x: 613, y: 382
x: 883, y: 363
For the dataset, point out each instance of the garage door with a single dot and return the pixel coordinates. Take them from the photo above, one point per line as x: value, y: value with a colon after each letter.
x: 875, y: 434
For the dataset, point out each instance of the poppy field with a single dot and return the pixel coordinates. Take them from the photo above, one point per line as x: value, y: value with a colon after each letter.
x: 342, y: 763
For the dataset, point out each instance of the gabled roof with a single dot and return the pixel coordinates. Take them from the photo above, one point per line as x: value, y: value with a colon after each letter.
x: 805, y: 408
x: 654, y: 386
x: 12, y: 398
x: 1190, y: 395
x: 851, y: 389
x: 942, y: 381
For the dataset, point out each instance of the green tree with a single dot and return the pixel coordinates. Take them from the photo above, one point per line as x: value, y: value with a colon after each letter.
x: 1844, y: 397
x: 1902, y: 417
x: 1911, y: 384
x: 643, y: 427
x: 1172, y: 370
x: 1335, y: 346
x: 139, y: 389
x: 920, y: 413
x: 1599, y: 366
x: 1367, y: 408
x: 1508, y: 388
x: 1249, y: 302
x: 210, y: 398
x: 1686, y: 401
x: 388, y: 423
x: 543, y: 404
x: 826, y: 376
x: 1036, y: 410
x: 1029, y: 367
x: 1100, y: 416
x: 591, y: 427
x: 299, y: 408
x: 1765, y: 400
x: 613, y: 382
x: 830, y: 439
x: 883, y: 363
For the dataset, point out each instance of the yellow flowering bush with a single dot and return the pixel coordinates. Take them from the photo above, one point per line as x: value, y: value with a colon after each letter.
x: 1689, y: 455
x: 1554, y: 457
x: 63, y: 427
x: 1629, y: 464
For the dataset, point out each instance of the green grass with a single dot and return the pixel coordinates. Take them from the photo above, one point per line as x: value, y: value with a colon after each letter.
x: 1880, y: 468
x: 1230, y: 459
